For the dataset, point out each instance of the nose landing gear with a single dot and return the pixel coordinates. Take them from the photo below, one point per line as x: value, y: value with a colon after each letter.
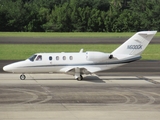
x: 22, y: 77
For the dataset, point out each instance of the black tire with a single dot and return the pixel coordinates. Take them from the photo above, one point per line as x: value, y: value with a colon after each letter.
x: 22, y: 77
x: 80, y: 78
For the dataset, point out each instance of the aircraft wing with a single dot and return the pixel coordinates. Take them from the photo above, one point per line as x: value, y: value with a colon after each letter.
x: 83, y: 70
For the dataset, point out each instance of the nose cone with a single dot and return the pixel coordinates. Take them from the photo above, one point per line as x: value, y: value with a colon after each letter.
x: 11, y: 67
x: 7, y: 68
x: 15, y: 67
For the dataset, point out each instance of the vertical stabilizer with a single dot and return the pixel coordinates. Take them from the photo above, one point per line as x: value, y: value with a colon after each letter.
x: 136, y: 44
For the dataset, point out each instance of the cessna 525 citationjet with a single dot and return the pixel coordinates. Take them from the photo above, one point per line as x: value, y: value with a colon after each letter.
x: 79, y: 63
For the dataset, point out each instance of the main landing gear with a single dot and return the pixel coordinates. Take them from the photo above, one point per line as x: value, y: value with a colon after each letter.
x: 80, y: 78
x: 78, y: 75
x: 22, y: 77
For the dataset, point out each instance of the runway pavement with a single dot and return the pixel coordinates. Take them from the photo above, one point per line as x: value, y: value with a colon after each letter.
x: 126, y: 93
x: 69, y: 40
x: 60, y: 97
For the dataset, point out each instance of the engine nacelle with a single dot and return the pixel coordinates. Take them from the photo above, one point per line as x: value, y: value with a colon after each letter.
x: 98, y: 56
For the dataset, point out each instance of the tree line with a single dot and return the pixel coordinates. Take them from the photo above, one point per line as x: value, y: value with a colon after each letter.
x: 79, y: 15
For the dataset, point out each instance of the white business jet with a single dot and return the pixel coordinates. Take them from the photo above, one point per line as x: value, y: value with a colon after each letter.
x: 79, y: 63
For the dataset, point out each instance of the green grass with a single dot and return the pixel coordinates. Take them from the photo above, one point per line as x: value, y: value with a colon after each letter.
x: 68, y: 34
x: 23, y: 51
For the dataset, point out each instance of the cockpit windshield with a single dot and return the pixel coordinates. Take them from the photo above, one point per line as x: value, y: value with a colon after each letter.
x: 32, y: 57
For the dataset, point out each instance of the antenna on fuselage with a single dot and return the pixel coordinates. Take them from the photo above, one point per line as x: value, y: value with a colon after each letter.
x: 81, y: 50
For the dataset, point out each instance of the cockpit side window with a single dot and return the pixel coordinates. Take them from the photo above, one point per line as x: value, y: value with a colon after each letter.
x: 32, y: 58
x: 39, y: 58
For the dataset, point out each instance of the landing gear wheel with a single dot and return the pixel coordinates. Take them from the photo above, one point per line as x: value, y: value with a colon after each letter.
x: 80, y: 78
x: 22, y: 77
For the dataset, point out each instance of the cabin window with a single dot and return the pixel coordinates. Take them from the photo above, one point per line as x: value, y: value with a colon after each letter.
x: 50, y: 57
x: 71, y: 57
x: 64, y: 57
x: 57, y: 57
x: 32, y: 57
x: 39, y: 58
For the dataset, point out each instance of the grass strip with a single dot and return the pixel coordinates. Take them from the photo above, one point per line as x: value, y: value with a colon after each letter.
x: 69, y: 34
x: 23, y: 51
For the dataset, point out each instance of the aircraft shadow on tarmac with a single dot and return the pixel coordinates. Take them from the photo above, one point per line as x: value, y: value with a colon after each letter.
x: 94, y: 79
x: 122, y: 78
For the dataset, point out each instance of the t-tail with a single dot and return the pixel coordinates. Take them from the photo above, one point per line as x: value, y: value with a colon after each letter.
x: 135, y: 45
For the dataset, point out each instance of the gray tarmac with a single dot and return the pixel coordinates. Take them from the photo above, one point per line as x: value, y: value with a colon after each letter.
x: 68, y: 40
x: 126, y: 93
x: 60, y: 97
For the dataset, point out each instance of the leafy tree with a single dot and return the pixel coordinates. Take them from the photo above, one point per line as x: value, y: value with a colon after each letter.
x: 79, y: 15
